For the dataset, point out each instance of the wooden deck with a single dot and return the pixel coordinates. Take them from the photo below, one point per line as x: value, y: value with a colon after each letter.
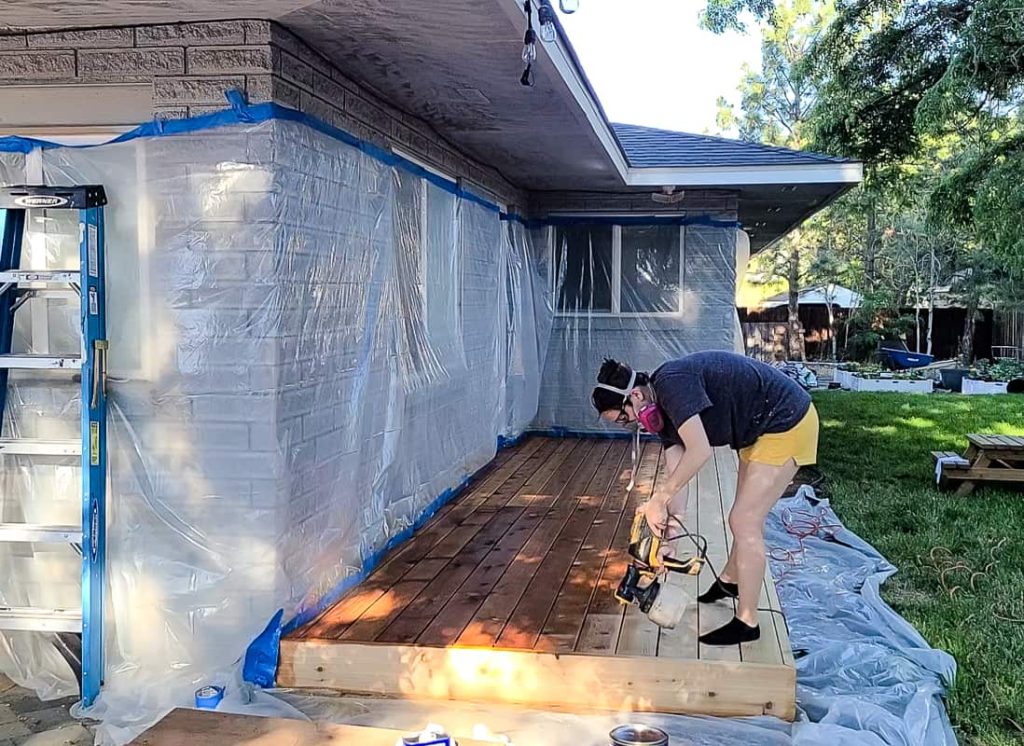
x: 507, y: 595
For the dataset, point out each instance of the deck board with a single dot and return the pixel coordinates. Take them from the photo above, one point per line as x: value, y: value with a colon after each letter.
x: 524, y: 564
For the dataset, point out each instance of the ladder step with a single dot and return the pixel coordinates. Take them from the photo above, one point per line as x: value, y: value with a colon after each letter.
x: 40, y: 362
x: 41, y: 620
x: 32, y: 447
x: 31, y: 532
x: 48, y: 276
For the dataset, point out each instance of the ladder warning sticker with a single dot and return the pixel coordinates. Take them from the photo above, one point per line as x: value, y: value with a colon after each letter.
x: 94, y: 306
x: 93, y: 251
x: 94, y: 444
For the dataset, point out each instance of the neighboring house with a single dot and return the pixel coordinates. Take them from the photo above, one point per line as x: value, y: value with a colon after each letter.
x: 820, y: 309
x: 319, y: 326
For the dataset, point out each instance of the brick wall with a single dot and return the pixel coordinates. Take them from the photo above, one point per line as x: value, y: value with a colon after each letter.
x: 191, y: 65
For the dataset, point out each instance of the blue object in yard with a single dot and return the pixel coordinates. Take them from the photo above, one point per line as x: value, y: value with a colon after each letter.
x: 906, y: 359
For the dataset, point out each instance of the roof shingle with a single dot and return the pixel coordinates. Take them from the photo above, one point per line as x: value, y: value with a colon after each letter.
x: 647, y: 147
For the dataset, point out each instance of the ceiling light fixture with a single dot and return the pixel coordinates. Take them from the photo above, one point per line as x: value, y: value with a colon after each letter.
x: 529, y: 46
x: 546, y: 18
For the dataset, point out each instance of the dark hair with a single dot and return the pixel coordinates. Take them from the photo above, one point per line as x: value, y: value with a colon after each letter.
x: 1016, y: 386
x: 614, y: 373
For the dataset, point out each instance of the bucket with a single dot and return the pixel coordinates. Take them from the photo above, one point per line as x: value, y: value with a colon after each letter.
x: 638, y: 735
x: 952, y: 378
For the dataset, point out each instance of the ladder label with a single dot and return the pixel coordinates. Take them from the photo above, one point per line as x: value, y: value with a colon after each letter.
x: 93, y: 251
x: 94, y: 443
x: 94, y: 306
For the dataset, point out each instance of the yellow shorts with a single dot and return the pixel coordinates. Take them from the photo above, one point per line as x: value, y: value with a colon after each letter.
x: 799, y: 443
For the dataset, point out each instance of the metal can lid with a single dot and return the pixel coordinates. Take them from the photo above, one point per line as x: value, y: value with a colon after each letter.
x: 638, y: 735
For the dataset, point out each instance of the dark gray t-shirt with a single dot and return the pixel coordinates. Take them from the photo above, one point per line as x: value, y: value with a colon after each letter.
x: 738, y: 399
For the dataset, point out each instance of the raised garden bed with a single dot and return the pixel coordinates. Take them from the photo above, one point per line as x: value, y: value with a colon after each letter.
x: 901, y: 385
x: 976, y: 386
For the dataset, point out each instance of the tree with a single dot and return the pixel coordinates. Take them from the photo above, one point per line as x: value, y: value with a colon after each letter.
x: 774, y: 107
x: 893, y: 75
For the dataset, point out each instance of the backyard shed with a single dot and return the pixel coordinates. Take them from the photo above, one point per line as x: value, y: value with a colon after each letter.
x: 332, y: 300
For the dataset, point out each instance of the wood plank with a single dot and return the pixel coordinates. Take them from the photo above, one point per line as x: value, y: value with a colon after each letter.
x: 333, y: 621
x: 489, y: 620
x: 449, y: 548
x: 711, y: 521
x: 182, y: 727
x: 987, y: 474
x: 638, y: 634
x: 565, y: 620
x: 527, y: 621
x: 544, y: 680
x: 603, y: 621
x: 413, y: 617
x: 450, y: 621
x: 978, y: 439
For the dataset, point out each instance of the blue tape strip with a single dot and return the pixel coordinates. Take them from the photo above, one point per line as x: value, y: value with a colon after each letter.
x: 208, y: 697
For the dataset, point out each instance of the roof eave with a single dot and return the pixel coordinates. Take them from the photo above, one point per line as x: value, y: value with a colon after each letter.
x: 850, y: 173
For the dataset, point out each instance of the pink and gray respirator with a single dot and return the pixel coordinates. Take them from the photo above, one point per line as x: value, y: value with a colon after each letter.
x: 649, y: 415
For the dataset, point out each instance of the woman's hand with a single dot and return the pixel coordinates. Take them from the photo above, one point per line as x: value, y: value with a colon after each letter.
x: 657, y: 514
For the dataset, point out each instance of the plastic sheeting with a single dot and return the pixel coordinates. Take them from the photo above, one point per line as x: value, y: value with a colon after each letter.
x: 642, y: 294
x: 864, y: 676
x: 309, y: 345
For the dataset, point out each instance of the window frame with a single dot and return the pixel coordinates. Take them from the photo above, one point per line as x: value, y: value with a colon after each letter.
x: 616, y: 289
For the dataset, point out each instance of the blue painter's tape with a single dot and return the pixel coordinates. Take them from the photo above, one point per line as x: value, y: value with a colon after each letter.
x: 208, y: 697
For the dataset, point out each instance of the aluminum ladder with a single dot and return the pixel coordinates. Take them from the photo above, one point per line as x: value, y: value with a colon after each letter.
x: 89, y: 539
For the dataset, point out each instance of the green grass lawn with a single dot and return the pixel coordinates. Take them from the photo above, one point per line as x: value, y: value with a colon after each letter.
x: 960, y: 560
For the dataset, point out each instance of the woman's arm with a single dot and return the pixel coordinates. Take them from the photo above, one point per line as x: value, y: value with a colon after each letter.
x: 694, y: 455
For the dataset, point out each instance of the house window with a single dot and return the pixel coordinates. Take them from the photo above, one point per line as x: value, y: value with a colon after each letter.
x: 583, y: 268
x: 623, y: 270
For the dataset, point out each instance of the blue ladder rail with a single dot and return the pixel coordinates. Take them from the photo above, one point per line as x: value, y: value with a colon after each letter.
x: 90, y: 281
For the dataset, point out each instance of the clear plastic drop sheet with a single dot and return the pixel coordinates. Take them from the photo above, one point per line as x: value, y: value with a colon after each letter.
x: 308, y: 347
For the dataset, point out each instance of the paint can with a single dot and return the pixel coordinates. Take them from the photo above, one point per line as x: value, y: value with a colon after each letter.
x: 638, y: 735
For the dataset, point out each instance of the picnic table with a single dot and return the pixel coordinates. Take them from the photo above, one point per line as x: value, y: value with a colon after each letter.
x: 989, y: 458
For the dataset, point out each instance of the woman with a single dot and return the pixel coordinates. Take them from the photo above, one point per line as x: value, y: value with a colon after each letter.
x: 713, y: 399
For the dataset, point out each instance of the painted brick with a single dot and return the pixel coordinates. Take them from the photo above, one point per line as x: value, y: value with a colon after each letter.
x: 293, y: 69
x: 106, y: 38
x: 13, y: 41
x: 328, y: 90
x: 201, y: 109
x: 224, y: 60
x: 171, y: 112
x: 195, y: 90
x: 259, y: 88
x: 192, y: 34
x: 368, y: 113
x: 258, y: 32
x: 132, y: 62
x: 318, y: 108
x: 25, y: 66
x: 287, y: 94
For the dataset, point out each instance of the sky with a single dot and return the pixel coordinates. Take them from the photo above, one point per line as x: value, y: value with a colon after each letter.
x: 653, y: 65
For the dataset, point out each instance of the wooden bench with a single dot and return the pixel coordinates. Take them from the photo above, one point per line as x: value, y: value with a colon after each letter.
x: 989, y: 458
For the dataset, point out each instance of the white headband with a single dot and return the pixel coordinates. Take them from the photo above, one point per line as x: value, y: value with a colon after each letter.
x: 623, y: 392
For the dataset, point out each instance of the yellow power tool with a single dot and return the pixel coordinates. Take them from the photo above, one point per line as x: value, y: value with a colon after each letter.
x: 664, y: 604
